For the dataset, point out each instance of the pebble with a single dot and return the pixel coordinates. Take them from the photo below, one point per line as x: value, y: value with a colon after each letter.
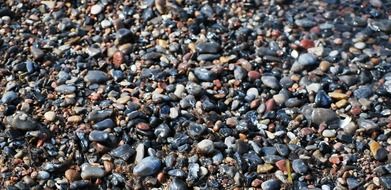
x: 208, y: 47
x: 204, y: 74
x: 96, y: 9
x: 50, y: 116
x: 177, y: 184
x: 385, y: 182
x: 65, y: 89
x: 98, y: 136
x: 270, y: 81
x: 72, y: 175
x: 205, y: 146
x: 124, y: 152
x: 304, y: 62
x: 22, y: 121
x: 271, y: 184
x: 36, y: 52
x: 299, y: 166
x: 95, y: 76
x: 147, y: 166
x: 9, y: 97
x: 89, y: 171
x: 352, y: 182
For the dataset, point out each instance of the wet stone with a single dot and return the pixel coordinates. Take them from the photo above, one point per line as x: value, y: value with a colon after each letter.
x: 124, y: 152
x: 124, y: 36
x: 271, y: 184
x: 98, y: 136
x: 270, y: 81
x: 147, y: 166
x: 104, y: 124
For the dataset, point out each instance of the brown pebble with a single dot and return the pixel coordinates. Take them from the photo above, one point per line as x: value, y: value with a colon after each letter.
x: 324, y: 66
x: 118, y: 58
x: 253, y: 75
x: 306, y: 43
x: 256, y: 183
x: 143, y: 126
x: 72, y: 175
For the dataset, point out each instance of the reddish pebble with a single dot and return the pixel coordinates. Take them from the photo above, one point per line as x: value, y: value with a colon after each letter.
x: 315, y: 30
x: 253, y: 75
x: 306, y: 43
x: 256, y: 183
x: 255, y: 103
x: 118, y: 58
x: 143, y: 126
x: 334, y: 159
x: 270, y: 105
x: 306, y: 131
x: 217, y: 83
x: 281, y: 165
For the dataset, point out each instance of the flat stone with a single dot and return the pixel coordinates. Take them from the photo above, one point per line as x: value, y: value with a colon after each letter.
x: 88, y: 171
x: 147, y: 166
x: 270, y: 81
x: 98, y: 136
x: 104, y: 124
x: 208, y: 47
x: 124, y: 152
x: 65, y: 89
x: 385, y: 181
x: 96, y: 76
x: 204, y: 74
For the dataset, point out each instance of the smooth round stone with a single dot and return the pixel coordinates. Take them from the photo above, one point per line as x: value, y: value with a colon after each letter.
x: 50, y: 116
x: 329, y: 133
x: 239, y: 73
x: 306, y: 43
x: 104, y: 124
x: 320, y: 115
x: 147, y: 166
x: 299, y: 166
x: 105, y: 23
x: 96, y: 9
x: 360, y: 45
x: 124, y: 152
x: 43, y: 175
x: 9, y: 97
x: 88, y: 171
x: 65, y: 89
x: 252, y: 93
x: 381, y: 154
x: 177, y: 184
x: 304, y: 62
x: 271, y: 184
x: 96, y: 76
x: 270, y: 81
x: 206, y: 146
x: 204, y: 74
x: 98, y: 136
x: 208, y: 47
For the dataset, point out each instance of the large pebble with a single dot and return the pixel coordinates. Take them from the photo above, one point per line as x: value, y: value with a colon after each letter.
x: 271, y: 184
x: 22, y: 121
x: 147, y: 166
x: 124, y: 152
x: 8, y: 97
x: 208, y: 47
x: 89, y: 171
x: 96, y: 76
x: 206, y: 146
x: 299, y: 166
